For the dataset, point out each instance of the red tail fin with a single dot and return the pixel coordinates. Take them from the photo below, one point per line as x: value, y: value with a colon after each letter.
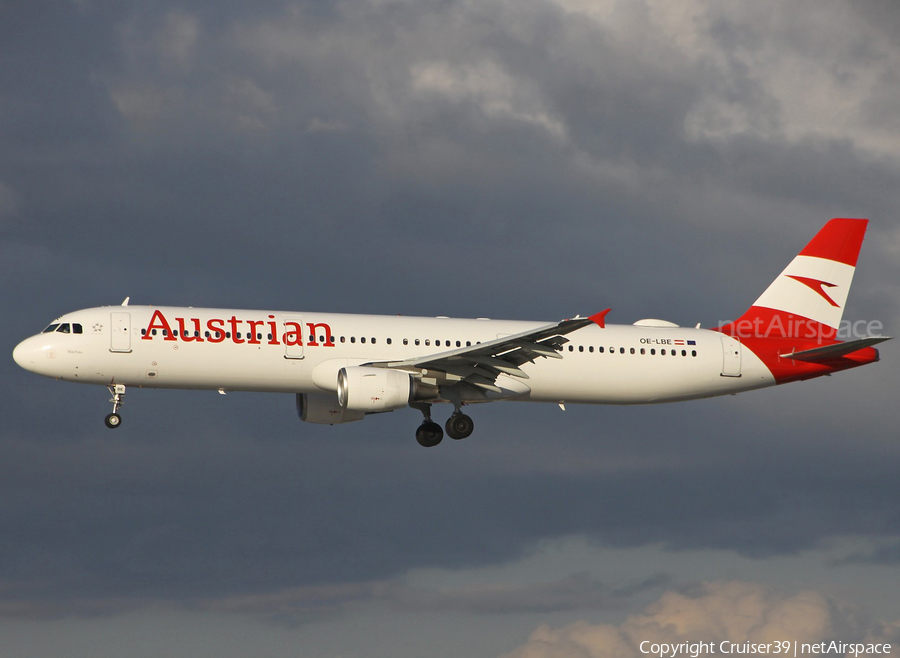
x: 807, y: 299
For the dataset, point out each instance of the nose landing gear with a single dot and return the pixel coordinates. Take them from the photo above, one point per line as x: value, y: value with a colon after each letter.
x: 113, y: 420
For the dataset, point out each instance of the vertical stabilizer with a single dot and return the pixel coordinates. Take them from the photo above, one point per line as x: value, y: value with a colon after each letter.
x: 807, y: 299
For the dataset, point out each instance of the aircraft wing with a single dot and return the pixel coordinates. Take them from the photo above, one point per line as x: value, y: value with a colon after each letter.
x: 479, y: 365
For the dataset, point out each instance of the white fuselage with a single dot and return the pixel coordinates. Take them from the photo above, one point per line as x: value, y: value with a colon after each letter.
x: 244, y: 350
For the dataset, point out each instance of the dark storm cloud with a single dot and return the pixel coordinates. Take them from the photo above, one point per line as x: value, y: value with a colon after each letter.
x: 442, y: 157
x: 178, y: 517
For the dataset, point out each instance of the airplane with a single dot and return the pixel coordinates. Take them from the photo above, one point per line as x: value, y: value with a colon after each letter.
x: 343, y: 367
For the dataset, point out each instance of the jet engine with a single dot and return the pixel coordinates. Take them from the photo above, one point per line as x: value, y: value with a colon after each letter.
x: 323, y: 409
x: 370, y: 390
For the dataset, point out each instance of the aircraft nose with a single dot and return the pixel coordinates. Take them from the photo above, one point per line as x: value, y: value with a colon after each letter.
x: 23, y: 354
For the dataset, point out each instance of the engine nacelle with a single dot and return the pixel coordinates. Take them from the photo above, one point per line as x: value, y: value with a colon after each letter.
x: 367, y: 389
x: 324, y: 409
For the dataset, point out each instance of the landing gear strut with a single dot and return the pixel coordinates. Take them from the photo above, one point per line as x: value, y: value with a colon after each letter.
x: 459, y: 425
x: 429, y: 433
x: 113, y: 420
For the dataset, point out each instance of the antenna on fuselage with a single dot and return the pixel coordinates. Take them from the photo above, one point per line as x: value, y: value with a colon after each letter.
x: 125, y: 303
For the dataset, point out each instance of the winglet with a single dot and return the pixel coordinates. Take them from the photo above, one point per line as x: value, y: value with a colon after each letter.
x: 599, y: 319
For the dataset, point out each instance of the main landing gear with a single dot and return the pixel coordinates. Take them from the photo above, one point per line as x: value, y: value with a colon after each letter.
x: 429, y: 434
x: 113, y: 420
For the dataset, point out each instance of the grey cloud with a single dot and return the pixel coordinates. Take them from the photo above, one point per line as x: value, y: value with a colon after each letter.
x: 236, y: 511
x: 575, y: 592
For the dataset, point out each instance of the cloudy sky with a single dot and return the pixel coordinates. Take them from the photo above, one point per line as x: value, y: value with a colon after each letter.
x: 525, y: 159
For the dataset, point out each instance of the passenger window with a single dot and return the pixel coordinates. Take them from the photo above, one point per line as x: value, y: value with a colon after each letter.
x: 389, y: 341
x: 427, y: 342
x: 417, y: 341
x: 581, y: 348
x: 693, y: 352
x: 591, y: 348
x: 653, y: 352
x: 632, y: 350
x: 352, y: 339
x: 663, y: 352
x: 683, y: 352
x: 621, y: 350
x: 571, y: 348
x: 643, y: 351
x: 601, y: 350
x: 373, y: 341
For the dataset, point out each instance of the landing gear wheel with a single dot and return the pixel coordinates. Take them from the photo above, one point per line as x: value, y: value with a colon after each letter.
x: 429, y: 434
x: 459, y: 426
x: 113, y: 420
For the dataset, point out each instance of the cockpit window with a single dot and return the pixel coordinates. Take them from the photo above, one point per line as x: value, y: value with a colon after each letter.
x: 64, y: 328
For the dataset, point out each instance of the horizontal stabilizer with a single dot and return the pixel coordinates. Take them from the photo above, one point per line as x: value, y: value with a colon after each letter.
x: 836, y: 350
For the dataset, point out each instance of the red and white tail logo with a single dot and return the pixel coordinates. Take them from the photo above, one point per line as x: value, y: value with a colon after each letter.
x: 807, y: 299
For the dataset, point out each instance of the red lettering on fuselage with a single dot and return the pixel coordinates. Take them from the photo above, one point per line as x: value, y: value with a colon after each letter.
x: 254, y: 338
x: 217, y: 331
x: 234, y: 322
x: 158, y: 321
x: 273, y: 331
x: 293, y: 336
x: 312, y: 326
x: 189, y: 337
